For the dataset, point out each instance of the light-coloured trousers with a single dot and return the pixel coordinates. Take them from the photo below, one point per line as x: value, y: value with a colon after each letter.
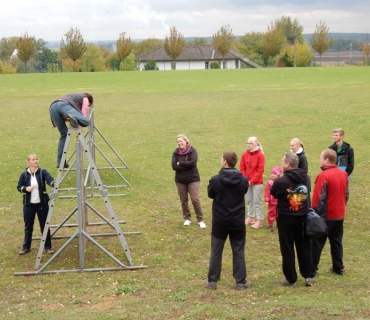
x: 193, y: 190
x: 254, y: 201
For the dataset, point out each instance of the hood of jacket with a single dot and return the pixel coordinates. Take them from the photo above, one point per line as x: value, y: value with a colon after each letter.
x: 230, y: 176
x: 297, y: 175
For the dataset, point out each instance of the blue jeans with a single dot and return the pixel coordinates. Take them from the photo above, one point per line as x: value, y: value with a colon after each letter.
x: 58, y: 111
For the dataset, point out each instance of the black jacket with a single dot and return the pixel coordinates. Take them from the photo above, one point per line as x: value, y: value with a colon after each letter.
x: 293, y: 193
x: 345, y: 158
x: 187, y: 171
x: 302, y: 161
x: 42, y: 176
x: 227, y: 189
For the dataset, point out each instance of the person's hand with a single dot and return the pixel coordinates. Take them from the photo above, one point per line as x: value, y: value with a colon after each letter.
x: 29, y: 189
x: 52, y: 194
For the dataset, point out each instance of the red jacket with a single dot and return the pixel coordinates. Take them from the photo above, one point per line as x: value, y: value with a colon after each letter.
x: 252, y: 165
x: 269, y: 198
x: 329, y: 193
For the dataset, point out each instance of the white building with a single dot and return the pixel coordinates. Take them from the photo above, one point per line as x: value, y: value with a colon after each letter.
x: 194, y: 58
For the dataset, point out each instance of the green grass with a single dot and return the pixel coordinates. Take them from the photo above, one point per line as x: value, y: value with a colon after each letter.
x: 140, y: 113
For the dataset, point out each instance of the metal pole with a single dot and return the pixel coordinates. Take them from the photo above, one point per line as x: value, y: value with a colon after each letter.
x: 295, y: 48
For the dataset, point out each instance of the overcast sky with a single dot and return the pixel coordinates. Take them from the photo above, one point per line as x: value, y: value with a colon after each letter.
x: 142, y: 19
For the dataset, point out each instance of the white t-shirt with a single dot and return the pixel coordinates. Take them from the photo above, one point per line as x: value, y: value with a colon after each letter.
x: 35, y: 195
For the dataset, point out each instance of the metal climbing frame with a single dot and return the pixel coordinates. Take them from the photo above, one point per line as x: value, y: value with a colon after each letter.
x: 82, y: 149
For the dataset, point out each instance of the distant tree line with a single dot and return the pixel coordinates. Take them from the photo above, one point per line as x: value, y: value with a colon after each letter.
x: 283, y: 44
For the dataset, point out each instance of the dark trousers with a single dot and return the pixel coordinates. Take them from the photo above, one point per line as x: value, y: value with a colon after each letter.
x: 237, y: 242
x: 335, y: 235
x: 290, y: 236
x: 29, y: 213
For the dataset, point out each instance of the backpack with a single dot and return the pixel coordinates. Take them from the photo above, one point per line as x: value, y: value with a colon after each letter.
x: 314, y: 226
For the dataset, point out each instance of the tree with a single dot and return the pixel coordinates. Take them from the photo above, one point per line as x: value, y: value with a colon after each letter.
x: 150, y: 65
x: 250, y: 45
x: 94, y: 59
x: 7, y: 47
x: 147, y: 46
x: 198, y: 42
x: 292, y: 30
x: 174, y: 44
x: 273, y: 41
x: 320, y: 40
x: 366, y: 49
x: 45, y: 59
x: 129, y: 64
x: 73, y: 47
x: 223, y: 40
x: 113, y: 61
x: 303, y: 58
x: 26, y: 48
x: 124, y: 46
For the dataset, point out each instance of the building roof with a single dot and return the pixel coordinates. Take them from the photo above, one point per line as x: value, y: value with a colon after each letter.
x: 193, y: 53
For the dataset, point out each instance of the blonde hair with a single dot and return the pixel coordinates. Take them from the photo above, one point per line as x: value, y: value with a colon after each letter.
x: 31, y: 155
x: 339, y: 130
x: 182, y: 136
x: 297, y: 141
x: 255, y: 142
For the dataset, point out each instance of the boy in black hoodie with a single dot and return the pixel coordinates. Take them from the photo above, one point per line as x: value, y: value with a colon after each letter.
x: 228, y: 189
x: 292, y: 192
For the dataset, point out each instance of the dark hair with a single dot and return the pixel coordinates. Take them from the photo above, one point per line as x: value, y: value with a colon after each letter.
x: 330, y: 154
x: 89, y: 97
x: 231, y: 158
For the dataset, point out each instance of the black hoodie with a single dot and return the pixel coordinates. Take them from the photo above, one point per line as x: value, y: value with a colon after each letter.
x: 227, y: 189
x: 293, y: 193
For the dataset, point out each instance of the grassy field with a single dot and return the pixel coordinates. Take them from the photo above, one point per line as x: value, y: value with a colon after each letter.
x: 140, y: 113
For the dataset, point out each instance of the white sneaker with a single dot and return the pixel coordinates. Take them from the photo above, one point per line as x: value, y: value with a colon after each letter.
x: 187, y: 223
x: 202, y: 225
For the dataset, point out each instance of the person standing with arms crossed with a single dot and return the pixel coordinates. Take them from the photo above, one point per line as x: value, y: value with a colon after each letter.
x: 329, y: 201
x: 227, y: 189
x: 187, y: 178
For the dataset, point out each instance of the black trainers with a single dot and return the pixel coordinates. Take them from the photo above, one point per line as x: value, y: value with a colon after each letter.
x: 271, y: 228
x: 212, y: 285
x: 23, y: 251
x: 339, y: 272
x: 72, y: 121
x: 245, y: 285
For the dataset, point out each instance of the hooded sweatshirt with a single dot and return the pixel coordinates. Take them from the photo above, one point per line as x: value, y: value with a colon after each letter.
x: 227, y: 189
x: 292, y: 192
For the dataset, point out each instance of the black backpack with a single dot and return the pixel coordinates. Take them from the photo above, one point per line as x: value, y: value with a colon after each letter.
x: 314, y: 226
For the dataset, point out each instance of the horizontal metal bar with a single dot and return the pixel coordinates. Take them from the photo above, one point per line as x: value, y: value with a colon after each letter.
x: 32, y: 273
